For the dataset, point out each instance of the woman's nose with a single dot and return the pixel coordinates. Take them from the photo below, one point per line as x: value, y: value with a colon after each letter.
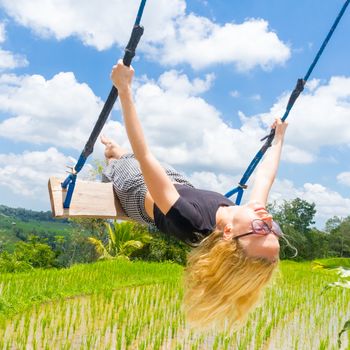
x: 268, y: 219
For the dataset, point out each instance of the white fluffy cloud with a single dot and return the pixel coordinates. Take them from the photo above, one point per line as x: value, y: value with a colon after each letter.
x: 8, y: 60
x: 97, y: 23
x: 182, y: 127
x: 295, y: 154
x: 27, y: 173
x: 171, y: 35
x: 59, y: 111
x: 201, y: 42
x: 2, y: 32
x: 185, y: 130
x: 344, y: 178
x: 329, y: 203
x: 319, y: 118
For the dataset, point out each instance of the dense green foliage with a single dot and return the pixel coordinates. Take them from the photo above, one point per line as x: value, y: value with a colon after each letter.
x: 10, y: 263
x: 19, y: 224
x: 339, y: 230
x: 27, y: 255
x: 163, y: 248
x: 123, y: 239
x: 26, y: 215
x: 296, y: 219
x: 63, y: 240
x: 26, y: 242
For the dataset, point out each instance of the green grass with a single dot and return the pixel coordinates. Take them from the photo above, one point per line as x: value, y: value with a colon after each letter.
x: 44, y: 226
x: 9, y: 224
x: 124, y: 305
x: 333, y: 263
x: 22, y: 290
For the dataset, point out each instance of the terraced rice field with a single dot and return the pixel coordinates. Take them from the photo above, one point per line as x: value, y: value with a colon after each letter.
x: 120, y: 305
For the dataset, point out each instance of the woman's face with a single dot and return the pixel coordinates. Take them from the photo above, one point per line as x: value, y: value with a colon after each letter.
x: 265, y: 246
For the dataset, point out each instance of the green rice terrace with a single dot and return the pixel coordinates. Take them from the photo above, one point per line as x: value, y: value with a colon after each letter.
x: 17, y: 224
x: 119, y: 304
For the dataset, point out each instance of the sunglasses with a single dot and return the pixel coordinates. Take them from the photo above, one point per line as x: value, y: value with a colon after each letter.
x: 260, y: 227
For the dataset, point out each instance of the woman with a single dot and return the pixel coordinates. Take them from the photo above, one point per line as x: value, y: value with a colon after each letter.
x: 237, y: 247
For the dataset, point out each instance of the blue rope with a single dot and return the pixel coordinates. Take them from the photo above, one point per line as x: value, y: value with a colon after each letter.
x: 320, y: 51
x: 70, y: 181
x: 295, y: 94
x: 140, y: 13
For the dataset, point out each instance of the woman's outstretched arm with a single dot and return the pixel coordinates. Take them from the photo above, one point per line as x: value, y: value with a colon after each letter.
x: 159, y: 184
x: 267, y: 170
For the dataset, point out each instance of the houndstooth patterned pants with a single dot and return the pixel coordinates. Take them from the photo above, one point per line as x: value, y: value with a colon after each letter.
x: 130, y: 187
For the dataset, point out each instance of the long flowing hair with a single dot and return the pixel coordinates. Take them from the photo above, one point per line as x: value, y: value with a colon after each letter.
x: 222, y: 283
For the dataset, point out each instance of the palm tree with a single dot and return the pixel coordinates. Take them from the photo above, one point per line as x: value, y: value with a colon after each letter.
x: 123, y: 239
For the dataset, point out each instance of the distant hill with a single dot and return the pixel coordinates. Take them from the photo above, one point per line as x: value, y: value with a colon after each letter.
x: 17, y: 224
x: 26, y: 215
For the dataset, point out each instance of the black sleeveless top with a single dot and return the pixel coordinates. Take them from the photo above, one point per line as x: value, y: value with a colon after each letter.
x: 192, y: 216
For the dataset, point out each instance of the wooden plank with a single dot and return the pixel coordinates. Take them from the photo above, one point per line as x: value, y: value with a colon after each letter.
x: 90, y: 199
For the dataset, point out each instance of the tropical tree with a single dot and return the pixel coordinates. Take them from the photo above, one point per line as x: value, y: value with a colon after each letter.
x: 163, y: 248
x: 339, y: 235
x: 123, y: 238
x: 35, y: 253
x: 9, y: 263
x: 296, y: 213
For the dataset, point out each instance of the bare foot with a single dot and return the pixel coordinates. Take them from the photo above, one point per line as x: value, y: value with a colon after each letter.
x: 112, y: 150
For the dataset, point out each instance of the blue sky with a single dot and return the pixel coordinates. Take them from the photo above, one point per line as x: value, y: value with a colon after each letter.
x: 210, y: 77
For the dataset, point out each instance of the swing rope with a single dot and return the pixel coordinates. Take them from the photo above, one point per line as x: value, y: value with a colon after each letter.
x: 130, y: 49
x: 293, y: 97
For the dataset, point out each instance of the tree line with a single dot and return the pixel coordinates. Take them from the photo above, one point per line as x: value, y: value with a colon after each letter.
x: 296, y: 218
x: 94, y: 239
x: 26, y: 214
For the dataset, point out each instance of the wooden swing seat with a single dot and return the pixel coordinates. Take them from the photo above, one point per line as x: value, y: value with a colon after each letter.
x: 90, y: 200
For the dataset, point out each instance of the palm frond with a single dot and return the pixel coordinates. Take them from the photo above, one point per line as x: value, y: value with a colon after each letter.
x: 111, y: 233
x: 130, y: 246
x: 346, y: 328
x: 100, y: 248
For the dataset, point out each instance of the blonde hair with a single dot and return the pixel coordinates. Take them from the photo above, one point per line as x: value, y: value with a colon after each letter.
x: 222, y: 283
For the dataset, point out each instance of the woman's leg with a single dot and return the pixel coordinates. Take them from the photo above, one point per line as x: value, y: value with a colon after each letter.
x: 126, y: 173
x: 128, y: 183
x: 112, y: 150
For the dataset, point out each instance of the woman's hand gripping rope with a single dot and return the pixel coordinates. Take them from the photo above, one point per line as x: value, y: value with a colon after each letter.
x: 280, y: 128
x: 122, y: 76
